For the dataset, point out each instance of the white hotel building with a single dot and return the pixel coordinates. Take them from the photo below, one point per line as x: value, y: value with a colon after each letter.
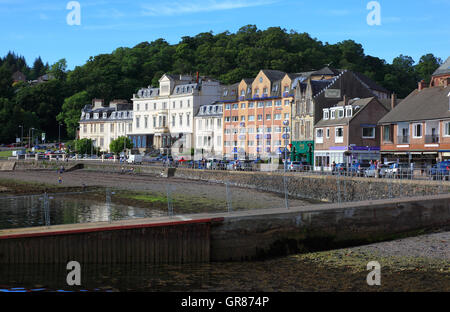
x: 164, y: 116
x: 103, y: 123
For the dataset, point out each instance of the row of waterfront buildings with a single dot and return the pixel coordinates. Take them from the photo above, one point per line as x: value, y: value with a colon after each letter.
x: 320, y: 117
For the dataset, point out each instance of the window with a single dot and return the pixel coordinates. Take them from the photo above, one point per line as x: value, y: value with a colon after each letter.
x: 387, y: 134
x: 102, y: 142
x: 242, y: 92
x: 265, y: 91
x: 260, y: 104
x: 154, y: 106
x: 146, y: 122
x: 251, y: 118
x: 268, y: 130
x: 339, y: 135
x: 257, y: 91
x: 268, y: 116
x: 181, y: 119
x: 447, y: 129
x: 340, y: 113
x: 278, y: 103
x: 286, y: 116
x: 319, y: 133
x: 154, y: 121
x: 84, y: 128
x: 277, y: 129
x: 235, y: 106
x: 242, y: 105
x: 277, y: 116
x: 146, y: 106
x: 286, y: 102
x: 251, y: 105
x: 188, y: 103
x: 227, y: 119
x: 181, y: 104
x: 219, y: 123
x: 188, y: 120
x: 326, y: 114
x: 173, y: 104
x: 349, y: 112
x: 260, y: 117
x: 269, y: 104
x: 227, y: 106
x: 328, y: 133
x: 417, y: 130
x: 242, y: 118
x: 235, y: 118
x: 368, y: 133
x: 137, y: 107
x: 219, y: 140
x: 137, y: 122
x: 333, y: 114
x: 175, y: 117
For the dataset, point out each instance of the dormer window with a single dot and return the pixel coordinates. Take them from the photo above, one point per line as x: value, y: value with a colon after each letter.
x: 242, y: 92
x: 249, y: 90
x: 95, y: 115
x: 333, y: 114
x: 326, y: 114
x: 340, y: 113
x: 348, y: 112
x: 105, y: 115
x: 225, y: 93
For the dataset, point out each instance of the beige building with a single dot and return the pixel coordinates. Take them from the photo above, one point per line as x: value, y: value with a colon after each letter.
x: 105, y: 123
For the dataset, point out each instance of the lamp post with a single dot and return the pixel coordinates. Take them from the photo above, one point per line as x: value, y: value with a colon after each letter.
x: 29, y: 137
x: 59, y: 136
x: 21, y: 137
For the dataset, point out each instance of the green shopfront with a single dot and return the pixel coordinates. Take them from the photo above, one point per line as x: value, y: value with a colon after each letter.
x: 303, y: 151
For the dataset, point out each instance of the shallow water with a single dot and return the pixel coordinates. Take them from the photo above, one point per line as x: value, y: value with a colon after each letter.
x: 31, y: 211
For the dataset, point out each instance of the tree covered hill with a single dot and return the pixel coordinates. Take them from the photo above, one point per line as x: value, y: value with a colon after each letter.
x: 226, y: 56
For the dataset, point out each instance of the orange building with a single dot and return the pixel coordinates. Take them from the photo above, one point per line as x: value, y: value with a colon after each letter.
x: 258, y: 124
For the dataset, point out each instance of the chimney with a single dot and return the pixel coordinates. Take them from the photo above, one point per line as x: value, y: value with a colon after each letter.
x: 422, y: 85
x: 393, y: 100
x: 345, y: 101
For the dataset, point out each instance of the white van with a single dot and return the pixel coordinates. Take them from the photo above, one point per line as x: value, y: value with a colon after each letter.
x: 134, y: 159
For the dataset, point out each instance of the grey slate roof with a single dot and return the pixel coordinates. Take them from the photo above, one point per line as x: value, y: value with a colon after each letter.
x: 369, y: 82
x: 274, y: 75
x: 427, y: 104
x: 443, y: 69
x: 358, y: 105
x: 326, y: 71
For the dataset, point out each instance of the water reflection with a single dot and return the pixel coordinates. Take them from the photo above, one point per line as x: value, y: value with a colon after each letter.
x: 30, y: 211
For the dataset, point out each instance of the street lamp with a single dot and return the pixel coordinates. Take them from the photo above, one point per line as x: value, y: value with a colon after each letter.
x: 29, y: 137
x: 21, y: 137
x: 59, y: 136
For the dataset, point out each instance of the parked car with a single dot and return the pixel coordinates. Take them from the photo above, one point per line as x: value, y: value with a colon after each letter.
x: 440, y: 170
x: 372, y: 171
x: 358, y: 169
x: 297, y: 166
x: 398, y: 170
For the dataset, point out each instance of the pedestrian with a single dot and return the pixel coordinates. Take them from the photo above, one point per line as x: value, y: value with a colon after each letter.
x: 60, y: 180
x: 333, y: 166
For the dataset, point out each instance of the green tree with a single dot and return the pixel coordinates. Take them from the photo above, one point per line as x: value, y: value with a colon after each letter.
x: 117, y: 146
x: 58, y: 70
x: 85, y: 146
x: 71, y: 111
x: 427, y: 65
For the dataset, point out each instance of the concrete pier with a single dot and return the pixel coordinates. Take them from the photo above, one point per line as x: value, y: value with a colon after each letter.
x: 237, y: 236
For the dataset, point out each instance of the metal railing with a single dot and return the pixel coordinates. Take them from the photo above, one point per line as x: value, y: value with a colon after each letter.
x: 403, y: 139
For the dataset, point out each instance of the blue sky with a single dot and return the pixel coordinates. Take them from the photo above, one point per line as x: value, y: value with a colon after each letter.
x: 39, y: 28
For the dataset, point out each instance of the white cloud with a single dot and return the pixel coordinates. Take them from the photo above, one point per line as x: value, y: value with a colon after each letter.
x: 169, y: 8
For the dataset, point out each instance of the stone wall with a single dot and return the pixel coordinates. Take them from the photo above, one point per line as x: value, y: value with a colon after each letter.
x: 300, y: 185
